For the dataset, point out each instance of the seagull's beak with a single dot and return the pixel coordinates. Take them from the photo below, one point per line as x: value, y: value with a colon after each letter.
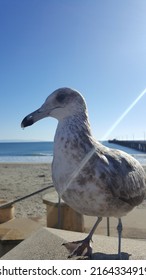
x: 34, y: 117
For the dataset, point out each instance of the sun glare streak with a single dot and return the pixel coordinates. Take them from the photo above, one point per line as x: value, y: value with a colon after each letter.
x: 123, y: 115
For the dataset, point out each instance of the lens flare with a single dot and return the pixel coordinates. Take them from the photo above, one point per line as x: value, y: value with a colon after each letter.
x: 123, y: 115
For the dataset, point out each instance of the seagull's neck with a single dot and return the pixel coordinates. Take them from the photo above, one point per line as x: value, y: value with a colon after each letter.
x: 73, y: 125
x: 73, y: 133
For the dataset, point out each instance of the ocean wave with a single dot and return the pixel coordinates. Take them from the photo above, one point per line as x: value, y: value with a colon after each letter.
x: 28, y: 155
x: 37, y: 155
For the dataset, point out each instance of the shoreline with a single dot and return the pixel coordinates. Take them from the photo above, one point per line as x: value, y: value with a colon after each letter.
x: 31, y: 163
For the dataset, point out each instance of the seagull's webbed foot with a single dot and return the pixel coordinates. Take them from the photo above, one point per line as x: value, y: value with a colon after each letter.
x: 80, y: 248
x: 83, y: 247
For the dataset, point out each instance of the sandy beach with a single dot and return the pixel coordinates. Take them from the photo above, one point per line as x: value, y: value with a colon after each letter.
x: 20, y: 179
x: 17, y: 180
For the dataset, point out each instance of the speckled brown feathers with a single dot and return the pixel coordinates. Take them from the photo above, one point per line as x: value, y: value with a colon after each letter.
x: 110, y: 182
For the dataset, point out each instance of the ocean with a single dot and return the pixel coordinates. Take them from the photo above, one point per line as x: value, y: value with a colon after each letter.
x: 33, y: 152
x: 42, y: 152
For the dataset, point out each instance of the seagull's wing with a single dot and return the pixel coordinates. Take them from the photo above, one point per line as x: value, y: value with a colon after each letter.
x: 126, y: 178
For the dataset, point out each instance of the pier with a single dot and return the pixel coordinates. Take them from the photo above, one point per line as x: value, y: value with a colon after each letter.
x: 133, y: 144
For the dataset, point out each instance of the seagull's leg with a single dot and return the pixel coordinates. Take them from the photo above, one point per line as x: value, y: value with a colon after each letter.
x: 99, y: 219
x: 59, y: 213
x: 119, y: 229
x: 82, y: 247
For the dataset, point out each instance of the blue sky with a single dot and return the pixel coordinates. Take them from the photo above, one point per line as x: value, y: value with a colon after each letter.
x: 95, y: 46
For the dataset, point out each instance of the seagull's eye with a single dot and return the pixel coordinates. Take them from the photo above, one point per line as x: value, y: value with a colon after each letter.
x: 60, y: 97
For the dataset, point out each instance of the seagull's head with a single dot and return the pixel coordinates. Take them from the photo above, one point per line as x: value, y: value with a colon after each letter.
x: 60, y: 104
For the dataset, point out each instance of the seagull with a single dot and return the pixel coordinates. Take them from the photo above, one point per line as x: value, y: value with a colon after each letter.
x: 92, y: 179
